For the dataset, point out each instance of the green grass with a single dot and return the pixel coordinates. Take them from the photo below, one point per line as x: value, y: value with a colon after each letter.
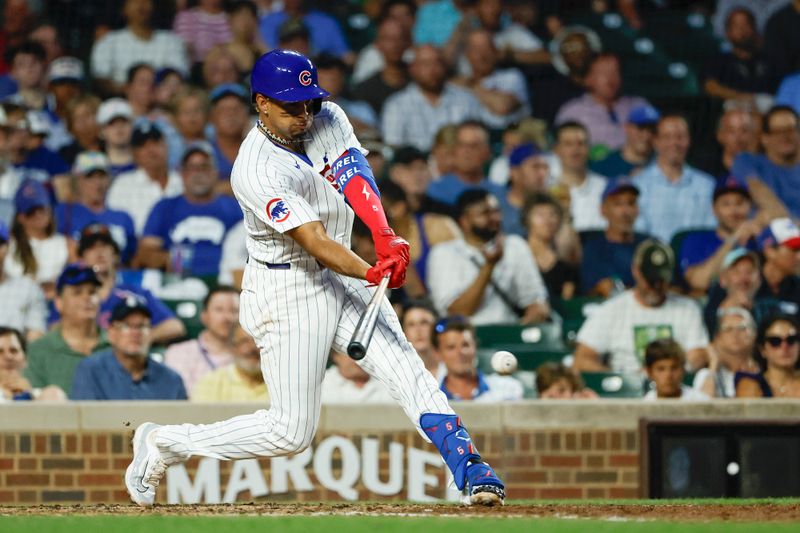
x: 248, y: 524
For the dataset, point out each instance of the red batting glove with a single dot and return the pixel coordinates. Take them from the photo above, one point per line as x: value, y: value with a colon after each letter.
x: 388, y: 244
x: 394, y: 266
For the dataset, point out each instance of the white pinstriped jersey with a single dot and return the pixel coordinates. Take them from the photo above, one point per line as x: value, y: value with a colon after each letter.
x: 279, y: 190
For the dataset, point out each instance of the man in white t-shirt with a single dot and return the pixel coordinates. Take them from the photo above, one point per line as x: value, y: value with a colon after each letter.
x: 137, y: 191
x: 489, y: 277
x: 578, y: 189
x: 664, y: 362
x: 624, y: 325
x: 138, y: 42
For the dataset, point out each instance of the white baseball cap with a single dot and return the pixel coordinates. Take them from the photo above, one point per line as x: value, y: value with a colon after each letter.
x: 90, y: 161
x: 780, y: 232
x: 114, y: 108
x: 37, y: 123
x: 65, y: 69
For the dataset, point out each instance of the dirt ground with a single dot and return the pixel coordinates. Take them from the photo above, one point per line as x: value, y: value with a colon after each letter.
x: 789, y: 512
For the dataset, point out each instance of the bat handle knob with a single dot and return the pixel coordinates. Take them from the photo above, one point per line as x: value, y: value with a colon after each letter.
x: 356, y: 351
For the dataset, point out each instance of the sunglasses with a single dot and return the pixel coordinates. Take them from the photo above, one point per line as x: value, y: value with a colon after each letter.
x: 442, y: 325
x: 776, y: 341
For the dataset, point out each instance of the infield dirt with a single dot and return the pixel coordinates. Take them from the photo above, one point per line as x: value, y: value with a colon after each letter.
x: 689, y: 512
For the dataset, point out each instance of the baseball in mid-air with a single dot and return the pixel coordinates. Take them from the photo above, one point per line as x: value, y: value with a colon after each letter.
x: 504, y: 362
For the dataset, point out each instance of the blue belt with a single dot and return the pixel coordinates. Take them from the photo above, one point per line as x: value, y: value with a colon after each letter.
x: 272, y: 266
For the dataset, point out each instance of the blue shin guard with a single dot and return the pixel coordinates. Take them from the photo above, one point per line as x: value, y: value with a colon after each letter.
x: 453, y: 442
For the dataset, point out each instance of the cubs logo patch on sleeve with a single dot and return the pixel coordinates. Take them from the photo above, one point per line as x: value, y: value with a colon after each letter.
x: 277, y: 210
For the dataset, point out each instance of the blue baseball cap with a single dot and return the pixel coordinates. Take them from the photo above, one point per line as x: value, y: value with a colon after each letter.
x: 730, y: 184
x: 145, y: 130
x: 644, y: 115
x: 780, y: 232
x: 618, y: 185
x: 76, y: 274
x: 128, y: 306
x: 733, y: 257
x: 229, y: 89
x: 30, y: 195
x: 522, y: 152
x: 3, y: 232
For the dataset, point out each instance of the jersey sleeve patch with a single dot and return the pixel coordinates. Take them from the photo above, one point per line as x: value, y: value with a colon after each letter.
x: 277, y: 210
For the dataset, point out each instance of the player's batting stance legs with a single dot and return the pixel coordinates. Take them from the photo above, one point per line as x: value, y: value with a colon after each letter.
x: 300, y: 178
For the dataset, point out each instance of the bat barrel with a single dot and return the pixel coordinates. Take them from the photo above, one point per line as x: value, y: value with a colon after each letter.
x: 362, y: 335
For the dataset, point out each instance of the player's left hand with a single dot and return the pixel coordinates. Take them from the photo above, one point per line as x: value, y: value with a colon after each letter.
x: 394, y: 266
x: 388, y: 244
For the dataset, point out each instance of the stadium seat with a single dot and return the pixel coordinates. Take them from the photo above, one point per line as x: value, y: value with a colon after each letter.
x: 614, y: 385
x: 188, y: 311
x: 538, y: 342
x: 573, y: 314
x: 685, y: 36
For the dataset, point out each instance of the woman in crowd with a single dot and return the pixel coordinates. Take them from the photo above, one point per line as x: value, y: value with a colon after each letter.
x: 542, y: 217
x: 35, y: 249
x: 778, y: 350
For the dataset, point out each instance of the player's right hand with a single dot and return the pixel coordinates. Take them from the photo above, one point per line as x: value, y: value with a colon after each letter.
x: 394, y: 266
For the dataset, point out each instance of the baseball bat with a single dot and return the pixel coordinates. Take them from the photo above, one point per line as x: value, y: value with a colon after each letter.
x: 362, y: 335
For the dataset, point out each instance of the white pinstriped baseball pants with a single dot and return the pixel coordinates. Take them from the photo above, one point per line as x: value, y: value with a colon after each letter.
x: 296, y: 316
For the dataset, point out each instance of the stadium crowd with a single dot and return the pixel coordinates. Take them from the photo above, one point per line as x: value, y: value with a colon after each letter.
x: 638, y: 160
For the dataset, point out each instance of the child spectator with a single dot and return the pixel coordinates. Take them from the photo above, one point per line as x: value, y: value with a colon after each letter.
x: 115, y: 120
x: 554, y: 381
x: 664, y: 362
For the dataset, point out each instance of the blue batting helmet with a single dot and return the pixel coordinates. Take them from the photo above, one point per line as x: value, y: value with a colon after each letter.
x: 286, y: 76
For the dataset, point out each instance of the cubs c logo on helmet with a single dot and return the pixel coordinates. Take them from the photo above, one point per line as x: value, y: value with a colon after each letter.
x: 277, y: 211
x: 305, y: 78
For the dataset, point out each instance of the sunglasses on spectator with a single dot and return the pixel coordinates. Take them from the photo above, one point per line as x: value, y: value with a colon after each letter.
x: 442, y: 325
x: 775, y: 341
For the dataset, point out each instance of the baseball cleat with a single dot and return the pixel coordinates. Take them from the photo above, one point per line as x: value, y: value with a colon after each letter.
x: 483, y: 486
x: 147, y: 467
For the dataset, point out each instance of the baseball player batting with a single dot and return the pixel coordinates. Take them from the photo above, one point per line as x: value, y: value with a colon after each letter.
x: 301, y: 177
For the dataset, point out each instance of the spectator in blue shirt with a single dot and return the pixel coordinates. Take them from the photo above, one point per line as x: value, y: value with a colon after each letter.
x: 455, y: 342
x: 774, y: 177
x: 98, y: 249
x: 637, y: 151
x: 91, y: 180
x: 789, y: 92
x: 701, y: 253
x: 197, y: 220
x: 673, y: 196
x: 326, y: 34
x: 528, y: 173
x: 230, y: 105
x: 472, y: 152
x: 607, y: 256
x: 125, y: 371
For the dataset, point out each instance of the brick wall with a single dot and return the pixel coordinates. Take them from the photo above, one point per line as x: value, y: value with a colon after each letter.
x: 78, y: 452
x: 79, y: 467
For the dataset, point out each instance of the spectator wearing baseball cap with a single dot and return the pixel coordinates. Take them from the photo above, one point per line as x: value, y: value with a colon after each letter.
x: 115, y: 119
x: 98, y: 249
x: 137, y: 191
x: 607, y: 256
x: 23, y: 306
x: 637, y: 151
x: 91, y: 180
x: 702, y: 252
x: 528, y: 173
x: 230, y: 115
x: 779, y: 244
x: 196, y: 220
x: 35, y: 249
x: 624, y: 325
x: 65, y: 78
x: 738, y: 286
x: 53, y: 358
x: 125, y: 371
